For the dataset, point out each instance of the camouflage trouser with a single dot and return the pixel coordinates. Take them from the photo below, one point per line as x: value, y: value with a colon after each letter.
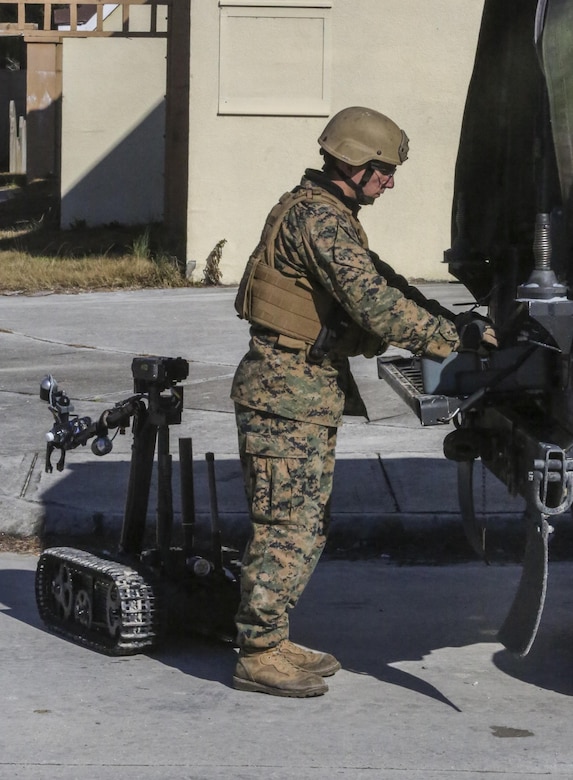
x: 288, y: 468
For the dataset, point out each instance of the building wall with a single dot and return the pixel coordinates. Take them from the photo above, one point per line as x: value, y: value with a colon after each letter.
x: 410, y: 59
x: 113, y: 124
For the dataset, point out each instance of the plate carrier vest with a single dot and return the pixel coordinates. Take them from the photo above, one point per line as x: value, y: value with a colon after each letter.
x: 295, y: 307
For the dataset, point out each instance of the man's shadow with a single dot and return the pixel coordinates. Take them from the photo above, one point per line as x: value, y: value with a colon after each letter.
x: 370, y: 614
x: 374, y: 616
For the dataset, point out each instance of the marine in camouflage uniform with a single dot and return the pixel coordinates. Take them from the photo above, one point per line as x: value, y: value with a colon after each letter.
x: 289, y: 405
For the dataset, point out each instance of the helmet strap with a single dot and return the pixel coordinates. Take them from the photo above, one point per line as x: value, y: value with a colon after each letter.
x: 365, y: 200
x: 361, y: 198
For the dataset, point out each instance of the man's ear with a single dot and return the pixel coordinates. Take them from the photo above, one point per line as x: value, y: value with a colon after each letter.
x: 350, y: 170
x: 346, y: 168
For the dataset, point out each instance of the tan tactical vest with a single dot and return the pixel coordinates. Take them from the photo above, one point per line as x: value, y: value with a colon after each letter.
x: 293, y: 306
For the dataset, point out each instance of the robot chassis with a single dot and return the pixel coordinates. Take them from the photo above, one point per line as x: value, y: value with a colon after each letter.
x: 125, y: 603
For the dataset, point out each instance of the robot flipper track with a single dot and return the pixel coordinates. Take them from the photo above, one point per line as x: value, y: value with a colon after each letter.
x: 101, y: 604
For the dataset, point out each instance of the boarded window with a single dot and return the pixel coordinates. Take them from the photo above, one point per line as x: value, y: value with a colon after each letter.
x: 275, y: 57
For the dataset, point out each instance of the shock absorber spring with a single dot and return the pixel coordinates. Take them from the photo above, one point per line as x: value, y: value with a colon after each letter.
x: 542, y: 242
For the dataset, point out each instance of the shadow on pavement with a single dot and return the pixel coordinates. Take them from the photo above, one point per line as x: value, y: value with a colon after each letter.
x: 549, y: 664
x: 374, y: 616
x: 377, y: 619
x: 405, y: 507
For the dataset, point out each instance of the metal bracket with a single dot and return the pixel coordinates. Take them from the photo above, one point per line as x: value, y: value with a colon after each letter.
x: 552, y: 474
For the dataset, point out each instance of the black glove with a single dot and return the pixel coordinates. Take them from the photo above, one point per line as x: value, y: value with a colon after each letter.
x: 475, y: 331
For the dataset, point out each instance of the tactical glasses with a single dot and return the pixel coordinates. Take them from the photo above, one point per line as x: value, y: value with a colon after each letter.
x: 384, y: 168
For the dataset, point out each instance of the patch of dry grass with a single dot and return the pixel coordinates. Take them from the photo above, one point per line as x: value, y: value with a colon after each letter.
x: 24, y: 273
x: 35, y: 256
x: 20, y: 544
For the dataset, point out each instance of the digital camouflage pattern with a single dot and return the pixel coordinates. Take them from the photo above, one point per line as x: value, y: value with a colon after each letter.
x: 328, y: 245
x: 288, y: 468
x: 288, y: 409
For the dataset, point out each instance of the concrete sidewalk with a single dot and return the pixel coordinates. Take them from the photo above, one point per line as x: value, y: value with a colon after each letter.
x: 391, y: 473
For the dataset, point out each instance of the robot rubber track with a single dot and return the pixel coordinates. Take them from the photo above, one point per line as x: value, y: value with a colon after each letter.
x: 101, y: 604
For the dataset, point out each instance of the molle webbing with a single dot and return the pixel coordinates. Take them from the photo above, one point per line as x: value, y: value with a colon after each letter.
x: 289, y: 305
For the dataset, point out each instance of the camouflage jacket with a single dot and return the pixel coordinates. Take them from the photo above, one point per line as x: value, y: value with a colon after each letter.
x: 328, y: 245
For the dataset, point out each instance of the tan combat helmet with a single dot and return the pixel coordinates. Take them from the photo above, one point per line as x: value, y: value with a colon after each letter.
x: 358, y: 135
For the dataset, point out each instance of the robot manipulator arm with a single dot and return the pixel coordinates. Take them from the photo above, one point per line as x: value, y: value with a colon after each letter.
x: 70, y: 431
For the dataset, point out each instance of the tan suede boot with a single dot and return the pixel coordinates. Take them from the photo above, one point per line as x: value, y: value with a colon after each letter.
x: 271, y: 672
x: 322, y: 664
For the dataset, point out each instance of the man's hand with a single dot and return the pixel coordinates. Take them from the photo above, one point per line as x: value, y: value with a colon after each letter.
x: 488, y: 337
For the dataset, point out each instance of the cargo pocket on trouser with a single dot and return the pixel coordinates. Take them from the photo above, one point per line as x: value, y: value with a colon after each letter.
x: 288, y: 468
x: 277, y: 464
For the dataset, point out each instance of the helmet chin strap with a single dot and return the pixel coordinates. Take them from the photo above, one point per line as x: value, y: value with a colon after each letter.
x: 364, y: 200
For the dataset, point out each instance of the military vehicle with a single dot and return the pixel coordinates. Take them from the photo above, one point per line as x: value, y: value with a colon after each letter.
x: 512, y: 248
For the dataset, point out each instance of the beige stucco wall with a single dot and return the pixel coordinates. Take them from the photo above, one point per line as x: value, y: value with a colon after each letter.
x: 411, y: 59
x: 113, y: 120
